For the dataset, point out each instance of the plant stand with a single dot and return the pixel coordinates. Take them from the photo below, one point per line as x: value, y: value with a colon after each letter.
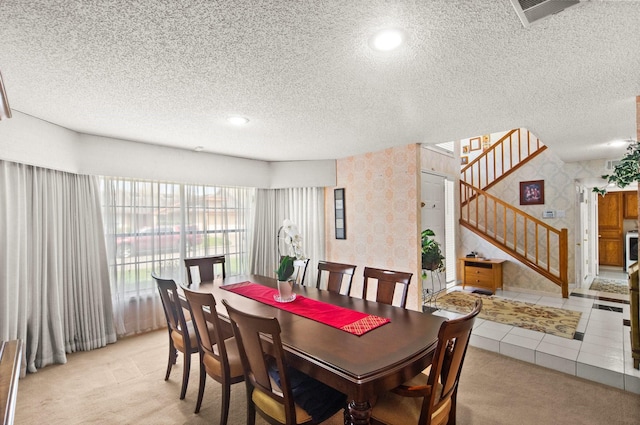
x: 430, y: 295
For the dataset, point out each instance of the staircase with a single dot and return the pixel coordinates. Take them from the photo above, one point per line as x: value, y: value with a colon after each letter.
x: 539, y: 246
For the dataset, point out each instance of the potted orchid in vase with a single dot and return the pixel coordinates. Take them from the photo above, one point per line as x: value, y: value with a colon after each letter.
x: 289, y: 236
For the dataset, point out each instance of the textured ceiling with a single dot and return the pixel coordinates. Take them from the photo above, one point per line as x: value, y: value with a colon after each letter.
x: 170, y: 72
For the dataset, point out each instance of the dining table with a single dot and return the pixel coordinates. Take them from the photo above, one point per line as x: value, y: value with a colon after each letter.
x: 360, y: 366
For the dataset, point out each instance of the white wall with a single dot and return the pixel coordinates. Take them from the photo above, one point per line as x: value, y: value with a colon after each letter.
x: 32, y: 141
x: 302, y: 174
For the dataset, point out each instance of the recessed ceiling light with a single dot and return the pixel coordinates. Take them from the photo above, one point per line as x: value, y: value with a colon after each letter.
x: 238, y: 120
x: 387, y: 40
x: 198, y: 148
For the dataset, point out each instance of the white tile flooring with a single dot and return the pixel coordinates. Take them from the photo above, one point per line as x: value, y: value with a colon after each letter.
x: 603, y: 355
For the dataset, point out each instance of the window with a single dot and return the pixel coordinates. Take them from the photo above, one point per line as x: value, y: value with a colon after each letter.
x: 153, y: 226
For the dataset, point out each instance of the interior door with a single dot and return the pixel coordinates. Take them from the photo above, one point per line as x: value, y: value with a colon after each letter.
x: 610, y: 240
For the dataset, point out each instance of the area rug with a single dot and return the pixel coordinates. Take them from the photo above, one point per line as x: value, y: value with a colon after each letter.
x: 612, y: 286
x: 550, y: 320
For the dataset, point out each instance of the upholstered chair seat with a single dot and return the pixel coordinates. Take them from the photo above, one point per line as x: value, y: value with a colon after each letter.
x: 275, y: 409
x: 214, y: 367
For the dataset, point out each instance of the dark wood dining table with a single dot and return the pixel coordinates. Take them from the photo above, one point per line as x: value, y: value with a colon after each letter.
x: 358, y: 366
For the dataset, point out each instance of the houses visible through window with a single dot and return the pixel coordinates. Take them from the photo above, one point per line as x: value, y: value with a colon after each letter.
x: 153, y: 226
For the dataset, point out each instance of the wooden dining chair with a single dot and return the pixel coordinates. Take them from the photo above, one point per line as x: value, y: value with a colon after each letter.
x: 272, y: 401
x: 219, y: 357
x: 431, y: 399
x: 387, y: 282
x: 182, y: 335
x: 205, y: 266
x: 335, y: 275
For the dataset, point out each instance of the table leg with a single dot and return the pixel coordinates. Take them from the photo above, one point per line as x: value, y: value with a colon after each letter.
x: 357, y: 413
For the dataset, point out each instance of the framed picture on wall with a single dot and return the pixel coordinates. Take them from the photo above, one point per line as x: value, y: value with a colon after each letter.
x: 465, y: 149
x: 340, y: 214
x: 532, y: 192
x: 464, y: 160
x: 475, y: 144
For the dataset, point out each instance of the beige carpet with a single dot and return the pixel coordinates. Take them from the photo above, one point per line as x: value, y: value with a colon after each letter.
x: 550, y: 320
x: 612, y: 286
x: 123, y: 384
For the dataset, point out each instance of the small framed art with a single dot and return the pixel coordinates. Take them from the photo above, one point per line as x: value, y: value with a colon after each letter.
x: 532, y: 192
x: 464, y: 160
x: 340, y: 212
x: 475, y: 144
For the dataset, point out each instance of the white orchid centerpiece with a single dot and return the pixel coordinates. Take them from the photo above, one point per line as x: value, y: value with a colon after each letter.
x: 290, y: 237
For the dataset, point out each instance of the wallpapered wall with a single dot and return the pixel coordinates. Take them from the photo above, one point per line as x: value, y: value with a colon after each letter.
x: 381, y: 190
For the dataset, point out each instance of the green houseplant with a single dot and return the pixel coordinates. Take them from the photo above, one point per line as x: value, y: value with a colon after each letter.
x: 432, y: 258
x: 626, y: 172
x: 289, y: 235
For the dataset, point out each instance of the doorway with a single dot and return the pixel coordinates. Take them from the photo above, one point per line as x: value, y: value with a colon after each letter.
x: 438, y: 214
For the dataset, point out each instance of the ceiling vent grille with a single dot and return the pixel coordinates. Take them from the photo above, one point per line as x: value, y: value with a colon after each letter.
x: 530, y: 11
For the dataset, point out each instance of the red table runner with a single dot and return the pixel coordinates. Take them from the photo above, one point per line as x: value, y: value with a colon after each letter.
x: 354, y: 322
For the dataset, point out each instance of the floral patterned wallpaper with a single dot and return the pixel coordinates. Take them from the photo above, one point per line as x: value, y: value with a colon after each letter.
x: 381, y: 205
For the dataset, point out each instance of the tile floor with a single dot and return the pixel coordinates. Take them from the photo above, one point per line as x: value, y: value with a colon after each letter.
x: 601, y: 350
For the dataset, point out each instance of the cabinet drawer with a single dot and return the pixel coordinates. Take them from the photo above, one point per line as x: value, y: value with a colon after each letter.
x: 479, y: 281
x: 478, y: 273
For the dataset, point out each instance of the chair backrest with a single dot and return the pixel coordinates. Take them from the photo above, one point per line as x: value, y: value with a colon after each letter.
x: 453, y: 340
x: 249, y: 331
x: 201, y: 304
x: 387, y: 281
x: 171, y: 305
x: 205, y: 267
x: 336, y: 273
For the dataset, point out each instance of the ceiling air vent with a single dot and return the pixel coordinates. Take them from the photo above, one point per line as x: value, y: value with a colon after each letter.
x: 530, y: 11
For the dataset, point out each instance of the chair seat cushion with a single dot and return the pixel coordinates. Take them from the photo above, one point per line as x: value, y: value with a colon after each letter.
x: 272, y: 408
x: 178, y: 341
x: 213, y: 366
x: 316, y: 398
x: 394, y: 409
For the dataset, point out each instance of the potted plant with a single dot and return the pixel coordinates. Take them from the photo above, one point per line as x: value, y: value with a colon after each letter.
x: 292, y: 239
x: 627, y: 171
x: 432, y: 258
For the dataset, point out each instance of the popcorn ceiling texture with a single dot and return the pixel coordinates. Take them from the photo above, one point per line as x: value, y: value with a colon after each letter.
x: 169, y: 72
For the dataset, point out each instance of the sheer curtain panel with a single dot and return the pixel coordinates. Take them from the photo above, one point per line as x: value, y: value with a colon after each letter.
x: 153, y: 226
x: 304, y: 207
x: 54, y: 281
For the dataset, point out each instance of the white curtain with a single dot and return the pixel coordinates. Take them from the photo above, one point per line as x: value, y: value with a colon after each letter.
x: 305, y: 208
x: 54, y: 282
x: 153, y: 226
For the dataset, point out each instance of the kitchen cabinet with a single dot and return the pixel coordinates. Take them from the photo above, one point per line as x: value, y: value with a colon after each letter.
x: 630, y: 204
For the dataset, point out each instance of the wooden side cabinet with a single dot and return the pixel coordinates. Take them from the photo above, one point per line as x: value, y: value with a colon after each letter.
x: 485, y: 274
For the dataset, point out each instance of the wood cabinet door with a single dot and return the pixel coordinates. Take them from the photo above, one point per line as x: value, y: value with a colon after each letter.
x: 631, y: 205
x: 610, y: 241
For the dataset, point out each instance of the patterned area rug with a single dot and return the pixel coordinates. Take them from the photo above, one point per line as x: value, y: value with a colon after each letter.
x: 550, y: 320
x: 612, y: 286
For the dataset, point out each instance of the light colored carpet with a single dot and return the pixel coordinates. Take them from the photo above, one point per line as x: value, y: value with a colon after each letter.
x: 612, y: 286
x: 124, y: 384
x: 550, y: 320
